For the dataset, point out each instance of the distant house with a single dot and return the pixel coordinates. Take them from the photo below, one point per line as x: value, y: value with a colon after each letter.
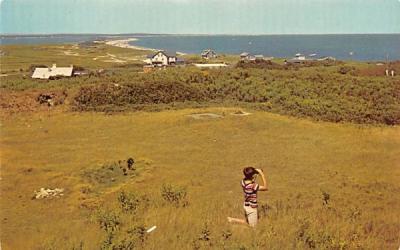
x: 208, y: 54
x: 300, y: 58
x: 248, y: 57
x: 162, y: 58
x: 327, y: 58
x: 180, y: 61
x: 244, y: 56
x: 54, y: 71
x: 259, y: 57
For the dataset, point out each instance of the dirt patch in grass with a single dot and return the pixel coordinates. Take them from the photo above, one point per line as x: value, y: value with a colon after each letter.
x: 205, y: 116
x: 116, y: 173
x: 379, y: 69
x: 240, y: 113
x: 30, y: 101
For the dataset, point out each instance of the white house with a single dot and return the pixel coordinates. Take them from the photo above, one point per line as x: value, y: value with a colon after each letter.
x: 46, y: 73
x: 249, y: 57
x: 299, y: 58
x: 244, y: 56
x: 208, y: 54
x: 162, y: 58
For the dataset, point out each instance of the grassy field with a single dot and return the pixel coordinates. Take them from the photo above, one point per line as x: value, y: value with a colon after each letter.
x: 19, y: 58
x: 332, y: 186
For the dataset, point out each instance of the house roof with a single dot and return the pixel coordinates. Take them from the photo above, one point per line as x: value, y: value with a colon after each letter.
x: 46, y: 73
x: 327, y: 58
x: 170, y: 53
x: 244, y: 54
x: 207, y: 51
x: 166, y: 53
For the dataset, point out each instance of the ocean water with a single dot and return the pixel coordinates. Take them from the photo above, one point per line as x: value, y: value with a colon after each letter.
x: 47, y: 39
x: 344, y: 47
x: 59, y: 38
x: 367, y: 47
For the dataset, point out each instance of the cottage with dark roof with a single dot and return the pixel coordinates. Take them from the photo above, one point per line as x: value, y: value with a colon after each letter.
x: 249, y: 57
x: 162, y: 58
x: 244, y: 56
x: 208, y: 54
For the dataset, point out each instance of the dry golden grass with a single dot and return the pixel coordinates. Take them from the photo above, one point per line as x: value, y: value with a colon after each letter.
x: 19, y: 58
x: 357, y: 166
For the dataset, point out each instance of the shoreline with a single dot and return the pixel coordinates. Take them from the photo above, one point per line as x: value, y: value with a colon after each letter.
x: 124, y: 43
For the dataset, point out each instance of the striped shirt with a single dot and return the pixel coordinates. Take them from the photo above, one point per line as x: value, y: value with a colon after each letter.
x: 250, y: 189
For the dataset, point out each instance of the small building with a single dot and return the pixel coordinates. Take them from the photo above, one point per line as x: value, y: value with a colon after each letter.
x: 251, y: 58
x: 162, y: 58
x: 244, y: 56
x: 327, y: 58
x: 54, y: 71
x: 208, y: 54
x: 299, y: 58
x: 259, y: 57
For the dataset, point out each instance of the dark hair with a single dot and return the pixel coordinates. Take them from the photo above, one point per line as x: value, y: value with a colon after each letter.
x: 249, y: 172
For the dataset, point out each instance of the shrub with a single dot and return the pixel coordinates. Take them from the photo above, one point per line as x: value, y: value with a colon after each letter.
x: 175, y: 195
x: 346, y: 69
x: 109, y: 221
x: 128, y: 202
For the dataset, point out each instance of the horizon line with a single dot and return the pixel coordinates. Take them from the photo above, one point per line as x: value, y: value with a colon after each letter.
x: 192, y: 34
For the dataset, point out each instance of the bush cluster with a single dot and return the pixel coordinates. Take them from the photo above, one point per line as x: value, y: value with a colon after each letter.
x: 319, y: 93
x: 174, y: 195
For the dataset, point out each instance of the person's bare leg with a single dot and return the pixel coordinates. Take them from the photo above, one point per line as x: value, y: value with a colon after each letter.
x: 236, y: 220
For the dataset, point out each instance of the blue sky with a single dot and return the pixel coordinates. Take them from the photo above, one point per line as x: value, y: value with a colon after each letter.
x: 200, y: 16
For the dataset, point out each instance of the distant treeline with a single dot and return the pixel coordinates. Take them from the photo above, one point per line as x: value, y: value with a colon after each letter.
x: 322, y: 93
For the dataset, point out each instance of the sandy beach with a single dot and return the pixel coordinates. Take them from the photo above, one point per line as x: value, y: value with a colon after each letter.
x: 125, y: 44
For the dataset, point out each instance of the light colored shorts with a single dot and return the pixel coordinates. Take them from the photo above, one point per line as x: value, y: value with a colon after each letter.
x: 251, y: 215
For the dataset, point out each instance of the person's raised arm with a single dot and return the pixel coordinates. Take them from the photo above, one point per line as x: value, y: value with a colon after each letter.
x: 264, y: 186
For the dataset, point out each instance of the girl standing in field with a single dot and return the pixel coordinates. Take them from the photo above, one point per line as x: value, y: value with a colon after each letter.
x: 250, y: 189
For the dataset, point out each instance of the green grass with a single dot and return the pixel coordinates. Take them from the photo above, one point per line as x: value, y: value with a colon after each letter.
x: 304, y: 162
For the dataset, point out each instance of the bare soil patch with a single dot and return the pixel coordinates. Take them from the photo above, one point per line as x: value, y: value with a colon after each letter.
x: 29, y: 101
x: 205, y: 116
x: 240, y: 113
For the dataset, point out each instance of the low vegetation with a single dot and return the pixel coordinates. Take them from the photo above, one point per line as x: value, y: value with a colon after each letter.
x: 331, y: 185
x: 317, y: 93
x: 327, y: 91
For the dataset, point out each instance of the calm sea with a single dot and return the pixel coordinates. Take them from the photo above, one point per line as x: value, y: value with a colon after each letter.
x: 345, y: 47
x: 52, y: 39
